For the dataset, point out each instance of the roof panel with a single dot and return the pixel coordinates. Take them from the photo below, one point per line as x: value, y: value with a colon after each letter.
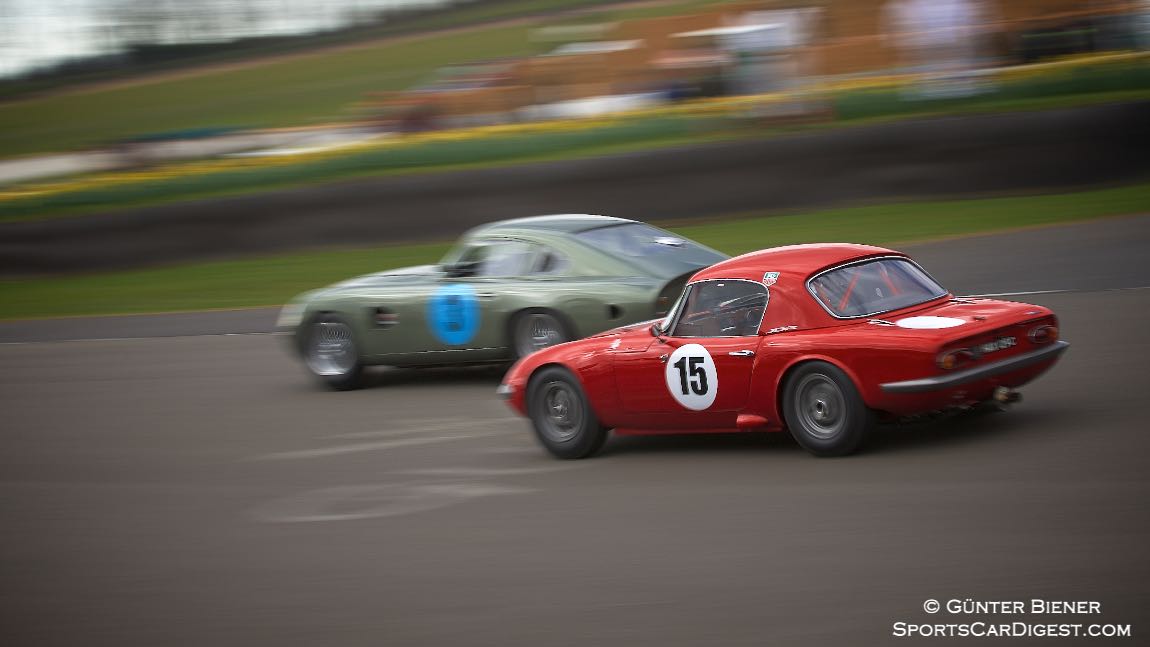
x: 791, y: 259
x: 563, y: 223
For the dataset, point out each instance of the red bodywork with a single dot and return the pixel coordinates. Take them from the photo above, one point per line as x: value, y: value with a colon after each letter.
x: 895, y: 369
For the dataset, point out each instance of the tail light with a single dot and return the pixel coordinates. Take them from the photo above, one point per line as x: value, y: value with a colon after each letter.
x: 952, y: 359
x: 1043, y: 334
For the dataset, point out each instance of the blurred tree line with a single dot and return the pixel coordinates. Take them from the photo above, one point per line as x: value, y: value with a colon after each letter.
x: 138, y: 36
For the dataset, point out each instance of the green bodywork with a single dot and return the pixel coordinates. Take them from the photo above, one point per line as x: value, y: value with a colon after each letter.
x: 404, y: 317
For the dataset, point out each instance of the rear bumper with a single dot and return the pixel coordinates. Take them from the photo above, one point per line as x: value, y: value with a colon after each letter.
x: 942, y: 382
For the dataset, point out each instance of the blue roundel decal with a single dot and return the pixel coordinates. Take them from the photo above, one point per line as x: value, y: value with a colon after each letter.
x: 453, y: 313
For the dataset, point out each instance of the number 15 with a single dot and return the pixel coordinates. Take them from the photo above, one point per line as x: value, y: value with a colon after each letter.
x: 698, y: 375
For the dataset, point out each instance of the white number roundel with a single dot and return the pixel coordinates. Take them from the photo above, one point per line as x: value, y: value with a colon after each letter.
x: 691, y: 377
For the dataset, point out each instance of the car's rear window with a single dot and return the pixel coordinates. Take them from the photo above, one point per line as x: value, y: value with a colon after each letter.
x: 655, y: 250
x: 874, y: 287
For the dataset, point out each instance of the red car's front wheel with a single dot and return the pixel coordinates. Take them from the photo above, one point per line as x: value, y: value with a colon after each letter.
x: 563, y: 420
x: 824, y: 411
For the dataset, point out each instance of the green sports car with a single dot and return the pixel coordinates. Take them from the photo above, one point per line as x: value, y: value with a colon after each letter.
x: 504, y: 291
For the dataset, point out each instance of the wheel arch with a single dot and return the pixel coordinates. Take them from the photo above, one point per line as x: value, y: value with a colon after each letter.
x: 592, y: 390
x: 546, y: 365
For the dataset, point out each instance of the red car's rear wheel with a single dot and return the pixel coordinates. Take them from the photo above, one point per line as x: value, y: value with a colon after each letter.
x: 824, y: 411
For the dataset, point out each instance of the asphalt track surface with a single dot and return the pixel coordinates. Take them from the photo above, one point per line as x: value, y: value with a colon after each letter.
x: 199, y: 490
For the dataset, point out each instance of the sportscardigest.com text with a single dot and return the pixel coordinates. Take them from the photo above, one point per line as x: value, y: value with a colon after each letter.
x: 1033, y: 618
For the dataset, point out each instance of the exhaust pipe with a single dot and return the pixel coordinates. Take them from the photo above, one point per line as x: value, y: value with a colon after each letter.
x: 1005, y: 395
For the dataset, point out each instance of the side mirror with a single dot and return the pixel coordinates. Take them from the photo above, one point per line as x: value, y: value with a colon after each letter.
x: 657, y: 331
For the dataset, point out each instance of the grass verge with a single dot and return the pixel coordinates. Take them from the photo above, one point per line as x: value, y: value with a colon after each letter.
x: 275, y: 279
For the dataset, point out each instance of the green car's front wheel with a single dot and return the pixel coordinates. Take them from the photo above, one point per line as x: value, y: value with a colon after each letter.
x: 331, y: 354
x: 533, y: 330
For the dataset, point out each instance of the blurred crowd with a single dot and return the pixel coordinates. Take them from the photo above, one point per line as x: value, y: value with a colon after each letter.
x: 584, y: 69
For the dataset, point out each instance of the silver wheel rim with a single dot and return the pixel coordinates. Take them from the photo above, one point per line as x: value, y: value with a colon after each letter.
x: 562, y: 414
x: 537, y: 331
x: 331, y: 350
x: 821, y: 406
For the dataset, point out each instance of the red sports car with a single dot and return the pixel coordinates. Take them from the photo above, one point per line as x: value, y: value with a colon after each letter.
x: 820, y: 340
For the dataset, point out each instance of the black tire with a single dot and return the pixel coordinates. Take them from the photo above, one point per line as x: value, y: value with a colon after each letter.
x: 550, y: 326
x: 824, y: 411
x: 561, y: 415
x: 331, y: 354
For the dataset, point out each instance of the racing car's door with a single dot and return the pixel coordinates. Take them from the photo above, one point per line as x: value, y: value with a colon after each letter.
x: 696, y: 374
x: 467, y: 310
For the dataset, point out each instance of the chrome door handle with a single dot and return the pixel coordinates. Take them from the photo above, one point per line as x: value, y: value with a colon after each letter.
x: 664, y: 357
x: 742, y: 353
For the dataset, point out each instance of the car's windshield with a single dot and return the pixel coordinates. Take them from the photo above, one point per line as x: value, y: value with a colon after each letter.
x: 874, y: 287
x: 657, y: 251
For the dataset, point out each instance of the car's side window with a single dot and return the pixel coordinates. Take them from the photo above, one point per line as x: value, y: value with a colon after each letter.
x: 722, y: 308
x: 500, y: 258
x: 549, y: 262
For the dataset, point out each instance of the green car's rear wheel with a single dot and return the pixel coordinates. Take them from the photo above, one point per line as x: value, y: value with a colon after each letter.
x: 331, y: 354
x: 534, y: 330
